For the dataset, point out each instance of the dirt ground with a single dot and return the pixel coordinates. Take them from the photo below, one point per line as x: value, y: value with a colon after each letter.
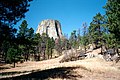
x: 87, y: 69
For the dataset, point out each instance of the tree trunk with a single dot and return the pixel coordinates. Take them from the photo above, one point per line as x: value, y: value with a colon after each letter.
x: 14, y: 63
x: 39, y: 56
x: 85, y: 49
x: 48, y: 56
x: 51, y: 53
x: 27, y: 55
x: 39, y: 53
x: 101, y: 48
x: 44, y: 54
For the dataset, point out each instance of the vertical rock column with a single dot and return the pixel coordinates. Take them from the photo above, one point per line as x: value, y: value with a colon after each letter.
x: 51, y: 27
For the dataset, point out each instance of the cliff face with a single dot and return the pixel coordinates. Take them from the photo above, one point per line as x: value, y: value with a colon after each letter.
x: 51, y: 27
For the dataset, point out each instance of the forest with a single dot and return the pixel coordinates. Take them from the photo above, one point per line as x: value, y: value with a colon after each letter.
x: 19, y: 45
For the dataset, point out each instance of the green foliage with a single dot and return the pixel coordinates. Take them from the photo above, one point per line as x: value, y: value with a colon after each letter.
x: 48, y: 46
x: 112, y: 8
x: 58, y: 45
x: 103, y: 30
x: 84, y: 40
x: 25, y: 39
x: 65, y: 44
x: 73, y: 39
x: 26, y: 42
x: 37, y: 40
x: 11, y: 54
x: 11, y: 11
x: 96, y: 29
x: 78, y: 38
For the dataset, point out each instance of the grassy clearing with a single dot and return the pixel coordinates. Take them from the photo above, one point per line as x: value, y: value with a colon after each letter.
x: 92, y: 68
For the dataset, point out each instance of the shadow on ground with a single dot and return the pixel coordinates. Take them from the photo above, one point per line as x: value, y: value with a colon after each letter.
x: 2, y: 68
x: 64, y: 72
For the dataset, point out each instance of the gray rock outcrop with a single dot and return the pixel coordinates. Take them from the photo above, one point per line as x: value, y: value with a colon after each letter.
x: 51, y: 27
x: 111, y: 55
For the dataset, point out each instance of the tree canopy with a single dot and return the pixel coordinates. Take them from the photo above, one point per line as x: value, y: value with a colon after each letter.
x: 112, y: 8
x: 12, y: 11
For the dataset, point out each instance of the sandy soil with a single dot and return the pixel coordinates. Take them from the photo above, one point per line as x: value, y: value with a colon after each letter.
x: 87, y: 69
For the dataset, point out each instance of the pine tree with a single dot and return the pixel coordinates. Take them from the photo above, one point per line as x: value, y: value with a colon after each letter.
x: 58, y: 45
x: 73, y: 39
x: 78, y: 38
x: 37, y: 40
x: 96, y: 29
x: 84, y: 39
x: 11, y: 11
x: 52, y: 46
x: 25, y: 39
x: 11, y: 55
x: 112, y: 8
x: 47, y: 51
x: 44, y: 37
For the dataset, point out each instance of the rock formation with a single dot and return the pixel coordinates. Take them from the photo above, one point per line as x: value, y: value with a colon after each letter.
x: 51, y: 27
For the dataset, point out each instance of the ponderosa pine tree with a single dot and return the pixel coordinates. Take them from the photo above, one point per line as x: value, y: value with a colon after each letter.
x: 58, y: 45
x: 48, y: 43
x: 96, y: 29
x: 73, y: 39
x: 84, y: 36
x: 37, y: 46
x: 52, y: 46
x: 22, y: 38
x: 11, y: 11
x: 78, y: 38
x: 25, y: 39
x: 112, y: 8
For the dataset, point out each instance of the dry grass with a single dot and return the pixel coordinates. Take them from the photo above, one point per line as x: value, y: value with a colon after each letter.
x: 91, y: 69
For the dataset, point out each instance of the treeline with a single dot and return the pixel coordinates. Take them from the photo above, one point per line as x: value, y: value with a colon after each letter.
x: 104, y: 30
x: 22, y: 44
x: 19, y: 45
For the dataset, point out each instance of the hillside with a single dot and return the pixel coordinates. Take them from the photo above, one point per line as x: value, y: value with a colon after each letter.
x: 91, y: 69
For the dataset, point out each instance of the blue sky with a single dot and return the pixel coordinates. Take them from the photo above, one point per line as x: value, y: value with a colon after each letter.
x: 70, y: 13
